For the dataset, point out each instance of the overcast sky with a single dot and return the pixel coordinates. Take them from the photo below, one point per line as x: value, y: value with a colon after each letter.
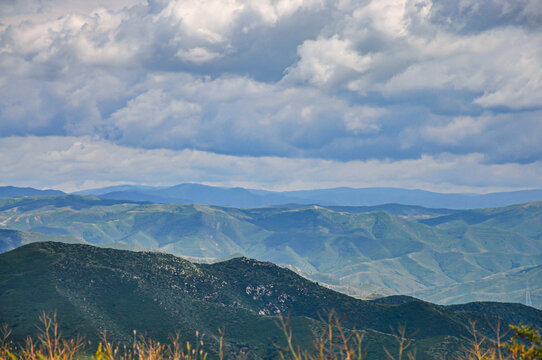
x: 442, y: 95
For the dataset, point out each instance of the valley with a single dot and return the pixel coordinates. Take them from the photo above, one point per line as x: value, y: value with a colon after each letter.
x: 445, y: 256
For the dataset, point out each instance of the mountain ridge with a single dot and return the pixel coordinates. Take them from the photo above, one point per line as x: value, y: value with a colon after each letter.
x: 13, y: 191
x: 95, y: 289
x: 369, y: 253
x: 247, y: 198
x: 341, y: 196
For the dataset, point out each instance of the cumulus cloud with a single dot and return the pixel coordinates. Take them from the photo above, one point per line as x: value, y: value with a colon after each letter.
x: 394, y: 47
x: 480, y: 15
x: 312, y: 80
x: 328, y: 61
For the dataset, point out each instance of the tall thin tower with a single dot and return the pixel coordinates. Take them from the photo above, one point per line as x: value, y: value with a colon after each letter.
x: 528, y: 300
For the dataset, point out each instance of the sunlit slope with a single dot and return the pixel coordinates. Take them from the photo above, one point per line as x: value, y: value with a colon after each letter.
x: 395, y: 253
x: 518, y: 285
x: 525, y: 219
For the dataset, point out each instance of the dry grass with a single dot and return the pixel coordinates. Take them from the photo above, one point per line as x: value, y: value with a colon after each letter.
x: 51, y: 345
x: 331, y: 342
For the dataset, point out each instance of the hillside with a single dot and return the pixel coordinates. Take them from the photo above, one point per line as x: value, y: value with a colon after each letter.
x: 11, y: 239
x: 517, y: 285
x: 419, y: 252
x: 94, y: 289
x: 13, y: 191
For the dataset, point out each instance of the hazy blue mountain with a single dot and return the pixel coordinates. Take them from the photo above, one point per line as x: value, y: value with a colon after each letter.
x: 377, y: 196
x: 93, y: 289
x: 192, y: 193
x: 247, y: 198
x: 12, y: 191
x: 360, y: 253
x: 141, y: 196
x: 203, y: 194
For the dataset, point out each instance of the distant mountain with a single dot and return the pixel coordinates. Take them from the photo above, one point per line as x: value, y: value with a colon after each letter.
x: 247, y: 198
x: 12, y: 191
x: 517, y: 285
x: 11, y: 239
x: 365, y: 254
x: 377, y: 196
x: 198, y: 194
x: 94, y: 289
x: 408, y: 211
x: 141, y: 196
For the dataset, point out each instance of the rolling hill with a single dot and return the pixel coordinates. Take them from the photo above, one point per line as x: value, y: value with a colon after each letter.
x: 517, y: 285
x: 13, y: 191
x: 11, y: 239
x: 363, y: 253
x: 93, y: 289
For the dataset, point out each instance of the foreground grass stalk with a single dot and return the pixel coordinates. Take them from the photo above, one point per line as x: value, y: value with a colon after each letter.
x: 330, y: 342
x: 403, y: 341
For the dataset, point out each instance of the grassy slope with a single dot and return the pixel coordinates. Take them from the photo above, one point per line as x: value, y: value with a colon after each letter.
x: 95, y: 289
x: 379, y: 248
x: 11, y: 239
x: 509, y: 286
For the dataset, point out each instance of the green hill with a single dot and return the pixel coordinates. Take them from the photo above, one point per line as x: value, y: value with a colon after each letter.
x: 96, y: 288
x: 13, y: 191
x: 11, y: 239
x: 419, y: 252
x: 512, y: 286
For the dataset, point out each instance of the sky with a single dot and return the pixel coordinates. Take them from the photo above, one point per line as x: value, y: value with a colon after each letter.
x: 441, y: 95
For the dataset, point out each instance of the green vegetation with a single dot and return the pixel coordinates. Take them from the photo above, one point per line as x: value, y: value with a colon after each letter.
x: 331, y: 341
x: 11, y: 239
x: 438, y: 255
x: 94, y: 289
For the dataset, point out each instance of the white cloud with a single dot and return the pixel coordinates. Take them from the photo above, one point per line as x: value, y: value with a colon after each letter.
x: 391, y: 47
x: 71, y: 163
x: 350, y: 80
x: 197, y: 55
x: 363, y: 119
x: 328, y: 61
x: 455, y: 131
x: 155, y: 119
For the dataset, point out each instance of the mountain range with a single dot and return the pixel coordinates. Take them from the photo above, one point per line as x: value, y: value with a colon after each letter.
x: 13, y: 191
x: 247, y: 198
x: 446, y: 256
x: 93, y: 289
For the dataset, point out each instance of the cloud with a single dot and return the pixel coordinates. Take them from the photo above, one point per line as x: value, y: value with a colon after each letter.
x: 394, y: 48
x: 74, y: 163
x: 154, y: 118
x: 197, y: 55
x: 500, y: 138
x: 480, y: 15
x: 372, y: 80
x: 328, y: 61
